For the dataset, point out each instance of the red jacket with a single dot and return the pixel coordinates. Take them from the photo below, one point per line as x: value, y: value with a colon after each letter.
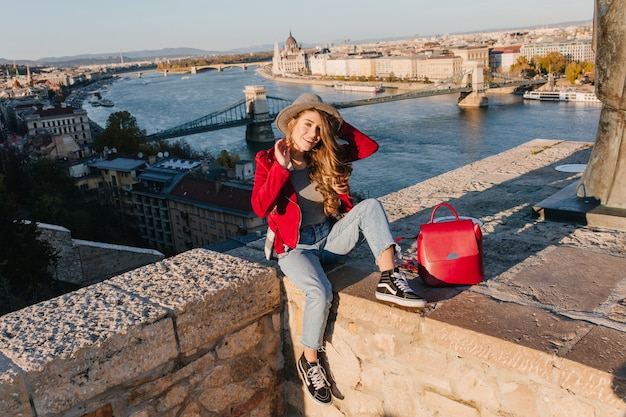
x: 274, y: 196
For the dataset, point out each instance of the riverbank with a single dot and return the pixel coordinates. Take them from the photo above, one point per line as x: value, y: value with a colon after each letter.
x: 561, y: 83
x: 266, y: 72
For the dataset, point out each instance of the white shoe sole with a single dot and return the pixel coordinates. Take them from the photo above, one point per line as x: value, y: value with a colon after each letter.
x: 405, y: 302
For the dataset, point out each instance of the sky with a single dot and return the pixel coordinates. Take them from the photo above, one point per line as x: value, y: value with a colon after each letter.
x: 43, y: 28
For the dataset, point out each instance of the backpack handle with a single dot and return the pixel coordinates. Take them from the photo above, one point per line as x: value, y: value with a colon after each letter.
x: 446, y: 205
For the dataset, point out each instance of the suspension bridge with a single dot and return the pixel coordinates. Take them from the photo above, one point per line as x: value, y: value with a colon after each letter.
x: 257, y: 110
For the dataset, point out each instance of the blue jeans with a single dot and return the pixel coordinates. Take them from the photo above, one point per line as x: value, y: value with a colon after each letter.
x: 323, y: 243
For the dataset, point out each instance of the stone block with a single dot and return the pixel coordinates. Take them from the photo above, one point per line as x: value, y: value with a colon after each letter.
x: 518, y: 324
x: 492, y: 350
x: 442, y: 406
x: 14, y: 399
x: 603, y: 349
x: 80, y: 345
x: 521, y: 398
x: 568, y: 278
x: 590, y: 383
x: 210, y: 294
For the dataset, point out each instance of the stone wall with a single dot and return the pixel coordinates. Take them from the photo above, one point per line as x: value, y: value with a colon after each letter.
x: 386, y: 361
x: 82, y: 262
x: 542, y: 336
x: 196, y: 334
x: 101, y: 261
x: 68, y: 267
x: 209, y: 334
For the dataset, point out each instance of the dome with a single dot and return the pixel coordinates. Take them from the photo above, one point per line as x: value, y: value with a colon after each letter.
x: 291, y: 42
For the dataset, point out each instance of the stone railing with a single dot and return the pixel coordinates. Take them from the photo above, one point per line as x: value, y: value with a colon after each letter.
x: 204, y: 333
x: 199, y: 331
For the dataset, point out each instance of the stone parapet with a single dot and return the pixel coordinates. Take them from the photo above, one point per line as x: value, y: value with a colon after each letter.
x: 82, y: 262
x: 211, y: 334
x: 199, y: 331
x: 543, y: 334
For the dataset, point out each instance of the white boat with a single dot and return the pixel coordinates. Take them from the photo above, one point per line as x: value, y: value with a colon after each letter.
x: 360, y: 88
x: 106, y: 103
x: 566, y: 95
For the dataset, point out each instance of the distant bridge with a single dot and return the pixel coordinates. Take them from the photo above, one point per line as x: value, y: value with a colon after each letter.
x: 233, y: 115
x: 258, y: 111
x: 194, y: 69
x: 243, y: 65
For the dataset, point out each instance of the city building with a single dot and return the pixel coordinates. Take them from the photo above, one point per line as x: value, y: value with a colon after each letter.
x: 150, y: 200
x: 472, y: 53
x: 60, y: 119
x: 501, y: 58
x: 574, y: 51
x: 291, y: 60
x: 116, y: 180
x: 436, y: 58
x: 208, y: 212
x: 181, y: 204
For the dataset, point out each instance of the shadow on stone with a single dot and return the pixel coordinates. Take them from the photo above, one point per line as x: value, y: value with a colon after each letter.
x: 619, y: 382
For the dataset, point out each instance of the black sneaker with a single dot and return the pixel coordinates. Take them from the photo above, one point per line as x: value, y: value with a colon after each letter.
x: 394, y: 288
x: 314, y: 377
x: 322, y: 359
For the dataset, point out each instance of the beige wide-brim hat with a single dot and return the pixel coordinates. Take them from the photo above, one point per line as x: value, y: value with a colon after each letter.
x: 306, y: 101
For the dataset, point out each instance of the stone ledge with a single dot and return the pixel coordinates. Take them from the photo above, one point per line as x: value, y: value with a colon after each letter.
x: 552, y: 295
x: 62, y: 352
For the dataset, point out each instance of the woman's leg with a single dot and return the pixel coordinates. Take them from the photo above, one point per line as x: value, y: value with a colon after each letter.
x: 304, y: 269
x: 369, y: 220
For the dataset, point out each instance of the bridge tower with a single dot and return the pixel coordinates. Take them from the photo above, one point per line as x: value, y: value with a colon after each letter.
x: 477, y: 97
x: 260, y: 130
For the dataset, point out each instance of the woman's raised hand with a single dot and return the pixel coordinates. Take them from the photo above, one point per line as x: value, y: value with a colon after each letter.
x: 282, y: 153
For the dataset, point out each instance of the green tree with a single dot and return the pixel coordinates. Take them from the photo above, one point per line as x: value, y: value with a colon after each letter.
x: 552, y: 62
x: 179, y: 149
x: 52, y: 195
x: 520, y: 66
x: 588, y: 69
x: 227, y: 159
x: 24, y: 259
x: 121, y: 133
x: 572, y: 72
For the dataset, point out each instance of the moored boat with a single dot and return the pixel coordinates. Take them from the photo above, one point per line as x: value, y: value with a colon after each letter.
x: 565, y: 95
x: 360, y: 88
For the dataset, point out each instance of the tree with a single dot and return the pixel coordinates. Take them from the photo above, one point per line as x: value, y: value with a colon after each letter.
x: 121, y: 133
x: 572, y: 72
x: 24, y: 259
x: 521, y: 66
x: 179, y: 149
x: 227, y: 159
x: 588, y: 70
x: 552, y: 62
x: 52, y: 193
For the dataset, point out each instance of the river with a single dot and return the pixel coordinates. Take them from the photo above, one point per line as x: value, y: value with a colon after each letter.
x: 419, y: 138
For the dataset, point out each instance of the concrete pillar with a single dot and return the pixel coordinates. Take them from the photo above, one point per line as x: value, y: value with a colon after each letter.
x: 605, y: 175
x: 477, y: 98
x: 260, y: 129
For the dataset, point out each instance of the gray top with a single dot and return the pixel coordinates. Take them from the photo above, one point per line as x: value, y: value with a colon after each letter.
x: 309, y: 199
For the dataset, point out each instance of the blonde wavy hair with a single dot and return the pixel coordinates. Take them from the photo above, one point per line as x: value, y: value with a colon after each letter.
x: 326, y: 162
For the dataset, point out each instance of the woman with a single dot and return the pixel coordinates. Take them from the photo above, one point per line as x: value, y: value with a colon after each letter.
x: 301, y: 186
